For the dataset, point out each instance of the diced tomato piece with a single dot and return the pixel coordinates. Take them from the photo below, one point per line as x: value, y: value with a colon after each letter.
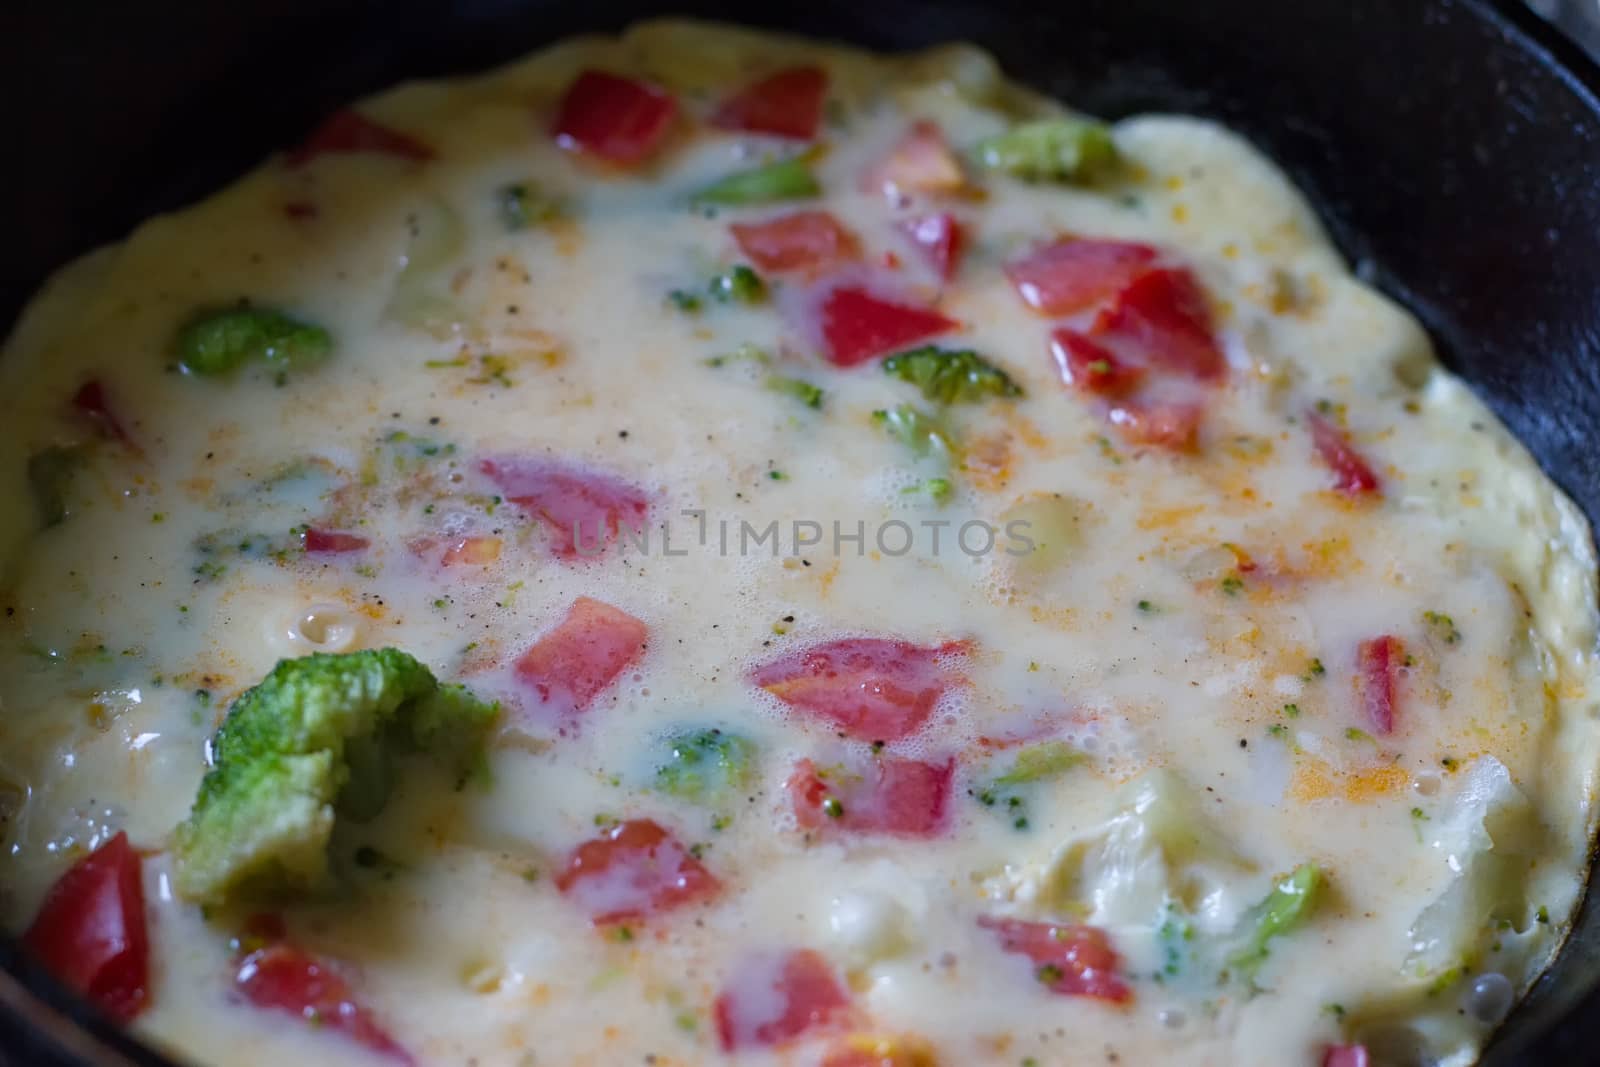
x: 1351, y: 473
x: 283, y: 978
x: 869, y: 1050
x: 1075, y: 273
x: 634, y: 870
x: 90, y: 932
x: 1162, y: 314
x: 857, y: 326
x: 91, y: 402
x: 1092, y: 367
x: 617, y: 119
x: 871, y: 688
x: 1173, y: 426
x: 1345, y: 1056
x: 574, y: 663
x: 1073, y: 960
x: 920, y: 162
x: 330, y: 542
x: 809, y: 241
x: 1379, y: 661
x: 939, y: 238
x: 349, y: 131
x: 773, y: 997
x: 787, y: 103
x: 300, y: 210
x: 582, y: 510
x: 885, y: 795
x: 471, y: 551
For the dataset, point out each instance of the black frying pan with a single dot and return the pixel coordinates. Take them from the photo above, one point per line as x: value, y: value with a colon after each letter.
x: 1452, y: 147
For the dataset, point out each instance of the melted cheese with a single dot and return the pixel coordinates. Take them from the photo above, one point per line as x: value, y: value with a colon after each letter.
x: 1198, y: 789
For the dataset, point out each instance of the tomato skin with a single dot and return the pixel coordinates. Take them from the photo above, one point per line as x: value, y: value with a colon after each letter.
x: 1075, y: 273
x: 347, y: 131
x: 1171, y: 426
x: 331, y: 542
x: 583, y: 511
x: 869, y: 688
x: 1351, y: 473
x: 91, y: 402
x: 920, y: 162
x: 808, y: 241
x: 1379, y: 661
x: 1073, y: 960
x: 1162, y: 315
x: 1091, y: 367
x: 91, y: 932
x: 886, y: 795
x: 1345, y: 1056
x: 858, y: 326
x: 283, y: 978
x: 774, y: 997
x: 634, y: 870
x: 786, y: 103
x: 613, y: 118
x: 569, y: 667
x: 939, y: 238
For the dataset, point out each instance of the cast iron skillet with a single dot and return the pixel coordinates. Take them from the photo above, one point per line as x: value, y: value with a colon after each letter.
x: 1452, y: 147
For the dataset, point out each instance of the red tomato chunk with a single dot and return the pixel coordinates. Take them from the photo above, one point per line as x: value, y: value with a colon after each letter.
x: 1072, y: 960
x: 774, y: 997
x: 1351, y: 473
x: 346, y: 132
x: 1379, y: 662
x: 331, y: 542
x: 871, y: 688
x: 857, y: 326
x: 91, y: 402
x: 582, y: 510
x: 939, y: 238
x: 787, y: 103
x: 884, y: 795
x: 634, y: 870
x: 613, y: 118
x: 570, y: 666
x: 90, y: 932
x: 921, y: 162
x: 283, y: 978
x: 1345, y: 1056
x: 1074, y: 273
x: 810, y: 241
x: 1162, y: 315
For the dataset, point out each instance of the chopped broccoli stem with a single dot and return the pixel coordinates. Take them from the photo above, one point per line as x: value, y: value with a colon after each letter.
x: 1044, y: 760
x: 802, y: 390
x: 705, y: 765
x: 1058, y: 149
x: 1285, y: 908
x: 312, y: 740
x: 789, y: 180
x: 951, y: 376
x: 220, y: 342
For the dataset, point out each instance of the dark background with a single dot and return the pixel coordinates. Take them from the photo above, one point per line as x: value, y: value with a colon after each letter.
x: 1449, y: 146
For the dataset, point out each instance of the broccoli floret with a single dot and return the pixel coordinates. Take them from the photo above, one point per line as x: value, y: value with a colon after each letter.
x: 922, y: 433
x: 314, y: 737
x: 951, y: 376
x: 220, y: 342
x: 789, y: 180
x: 1059, y: 149
x: 704, y: 764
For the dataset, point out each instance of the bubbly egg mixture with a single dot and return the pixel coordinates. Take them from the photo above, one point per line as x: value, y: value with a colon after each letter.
x: 874, y: 569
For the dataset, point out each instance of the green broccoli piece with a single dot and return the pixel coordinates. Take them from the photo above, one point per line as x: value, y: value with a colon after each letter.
x: 1008, y: 792
x: 739, y: 285
x: 705, y: 764
x: 789, y: 180
x: 1059, y: 149
x: 220, y: 342
x: 1288, y: 905
x: 948, y: 376
x: 920, y: 432
x: 315, y: 737
x: 808, y: 394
